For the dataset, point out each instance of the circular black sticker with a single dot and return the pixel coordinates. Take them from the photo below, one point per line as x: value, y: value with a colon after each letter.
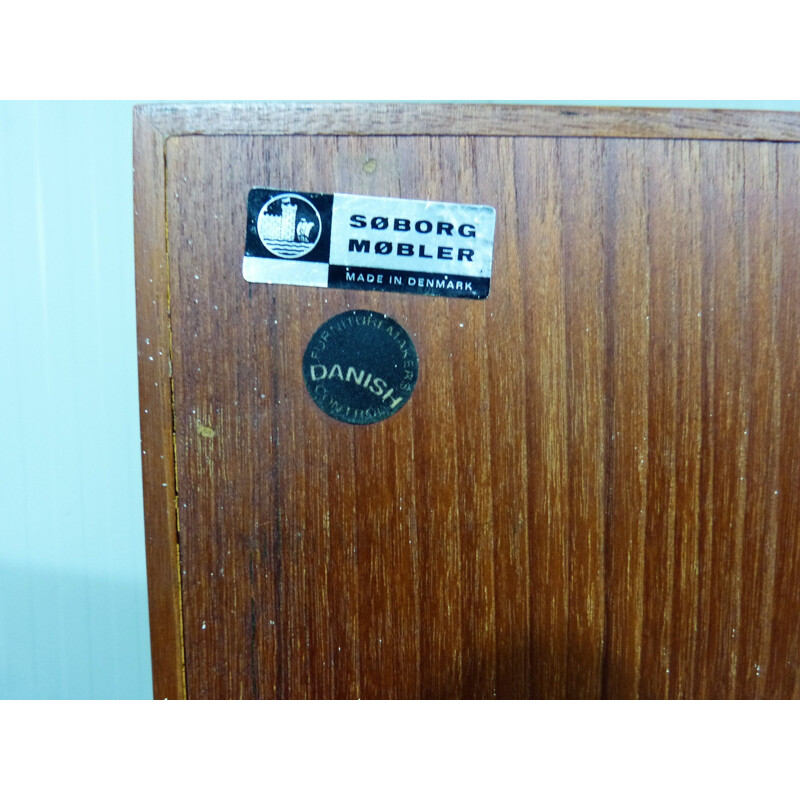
x: 360, y: 367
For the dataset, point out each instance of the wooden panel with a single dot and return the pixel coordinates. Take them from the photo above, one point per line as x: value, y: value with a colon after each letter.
x: 592, y: 492
x: 395, y: 119
x: 155, y: 406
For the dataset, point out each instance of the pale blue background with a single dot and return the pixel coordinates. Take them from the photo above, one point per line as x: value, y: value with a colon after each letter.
x: 73, y: 593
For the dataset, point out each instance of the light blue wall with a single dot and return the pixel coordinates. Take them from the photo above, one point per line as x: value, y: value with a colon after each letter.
x: 73, y: 595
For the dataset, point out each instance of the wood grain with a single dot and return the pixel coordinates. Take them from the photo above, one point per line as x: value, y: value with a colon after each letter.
x: 591, y: 493
x: 155, y: 402
x: 464, y: 119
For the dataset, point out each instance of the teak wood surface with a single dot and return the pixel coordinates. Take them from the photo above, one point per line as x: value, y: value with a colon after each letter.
x: 594, y: 491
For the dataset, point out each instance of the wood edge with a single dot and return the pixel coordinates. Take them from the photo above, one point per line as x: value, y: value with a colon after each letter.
x: 393, y: 119
x: 156, y: 419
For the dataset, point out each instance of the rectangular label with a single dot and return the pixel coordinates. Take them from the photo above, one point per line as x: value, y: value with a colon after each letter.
x: 347, y: 241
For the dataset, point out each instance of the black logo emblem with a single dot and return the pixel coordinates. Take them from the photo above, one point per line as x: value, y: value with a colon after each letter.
x: 289, y: 225
x: 360, y: 367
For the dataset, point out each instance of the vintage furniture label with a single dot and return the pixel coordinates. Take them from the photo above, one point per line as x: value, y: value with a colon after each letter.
x: 385, y: 244
x: 360, y: 367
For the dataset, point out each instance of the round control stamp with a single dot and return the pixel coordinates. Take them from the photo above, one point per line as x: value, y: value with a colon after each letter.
x: 360, y: 367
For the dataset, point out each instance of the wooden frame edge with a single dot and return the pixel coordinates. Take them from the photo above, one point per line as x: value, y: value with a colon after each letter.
x: 397, y: 119
x: 156, y: 414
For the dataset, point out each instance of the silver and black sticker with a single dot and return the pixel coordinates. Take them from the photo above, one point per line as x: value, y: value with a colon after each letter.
x: 347, y: 241
x: 360, y: 367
